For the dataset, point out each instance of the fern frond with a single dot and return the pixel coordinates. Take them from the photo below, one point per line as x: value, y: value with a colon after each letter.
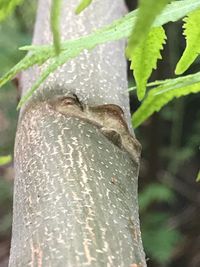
x: 83, y: 5
x: 151, y: 84
x: 160, y: 96
x: 122, y: 27
x: 53, y: 65
x: 7, y: 7
x: 192, y: 34
x: 28, y: 61
x: 148, y: 11
x: 45, y: 74
x: 55, y: 15
x: 144, y: 58
x: 119, y: 29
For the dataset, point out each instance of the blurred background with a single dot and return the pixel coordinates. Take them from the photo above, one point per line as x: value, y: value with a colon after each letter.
x: 168, y: 192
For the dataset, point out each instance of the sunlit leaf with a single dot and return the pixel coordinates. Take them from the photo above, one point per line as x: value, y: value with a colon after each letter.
x: 5, y: 160
x: 192, y: 35
x: 144, y: 58
x: 55, y: 15
x: 7, y: 7
x: 119, y: 29
x: 148, y: 11
x: 160, y: 96
x: 83, y: 5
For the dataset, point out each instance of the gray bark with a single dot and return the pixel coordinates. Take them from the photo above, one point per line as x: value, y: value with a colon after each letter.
x: 75, y: 195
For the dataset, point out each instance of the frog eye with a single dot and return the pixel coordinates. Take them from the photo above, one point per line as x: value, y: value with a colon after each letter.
x: 68, y: 101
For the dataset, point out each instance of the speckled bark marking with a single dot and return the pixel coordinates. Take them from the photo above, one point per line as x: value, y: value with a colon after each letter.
x: 98, y: 76
x: 65, y: 201
x: 36, y: 256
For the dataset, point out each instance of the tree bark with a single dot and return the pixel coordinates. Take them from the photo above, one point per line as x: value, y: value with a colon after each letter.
x: 76, y: 163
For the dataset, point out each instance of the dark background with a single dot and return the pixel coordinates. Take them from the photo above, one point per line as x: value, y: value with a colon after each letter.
x: 169, y: 193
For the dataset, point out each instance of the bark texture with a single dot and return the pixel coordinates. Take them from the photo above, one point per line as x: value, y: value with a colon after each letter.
x: 75, y: 195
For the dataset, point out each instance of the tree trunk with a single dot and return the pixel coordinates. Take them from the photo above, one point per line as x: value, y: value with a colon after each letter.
x: 76, y: 163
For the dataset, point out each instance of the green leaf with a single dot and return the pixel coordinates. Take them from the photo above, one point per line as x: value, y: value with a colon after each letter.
x: 119, y: 29
x: 155, y: 192
x: 192, y: 34
x: 7, y: 7
x: 157, y: 82
x: 55, y: 16
x: 175, y: 11
x: 122, y: 27
x: 148, y: 11
x: 5, y: 160
x: 83, y: 4
x: 160, y: 96
x: 198, y: 177
x: 159, y: 240
x: 38, y: 57
x: 53, y: 65
x: 144, y: 58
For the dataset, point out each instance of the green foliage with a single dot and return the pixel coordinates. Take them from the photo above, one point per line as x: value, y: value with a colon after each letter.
x: 5, y: 223
x: 53, y: 65
x: 26, y: 16
x: 198, y: 177
x: 155, y: 192
x: 5, y: 191
x: 148, y: 11
x: 83, y: 4
x: 192, y: 33
x: 161, y: 95
x: 159, y: 240
x: 26, y: 62
x: 14, y: 32
x: 154, y: 224
x: 5, y: 160
x: 55, y: 16
x: 119, y: 29
x: 144, y: 58
x: 8, y: 119
x: 11, y: 38
x: 175, y: 11
x: 6, y: 202
x: 7, y: 6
